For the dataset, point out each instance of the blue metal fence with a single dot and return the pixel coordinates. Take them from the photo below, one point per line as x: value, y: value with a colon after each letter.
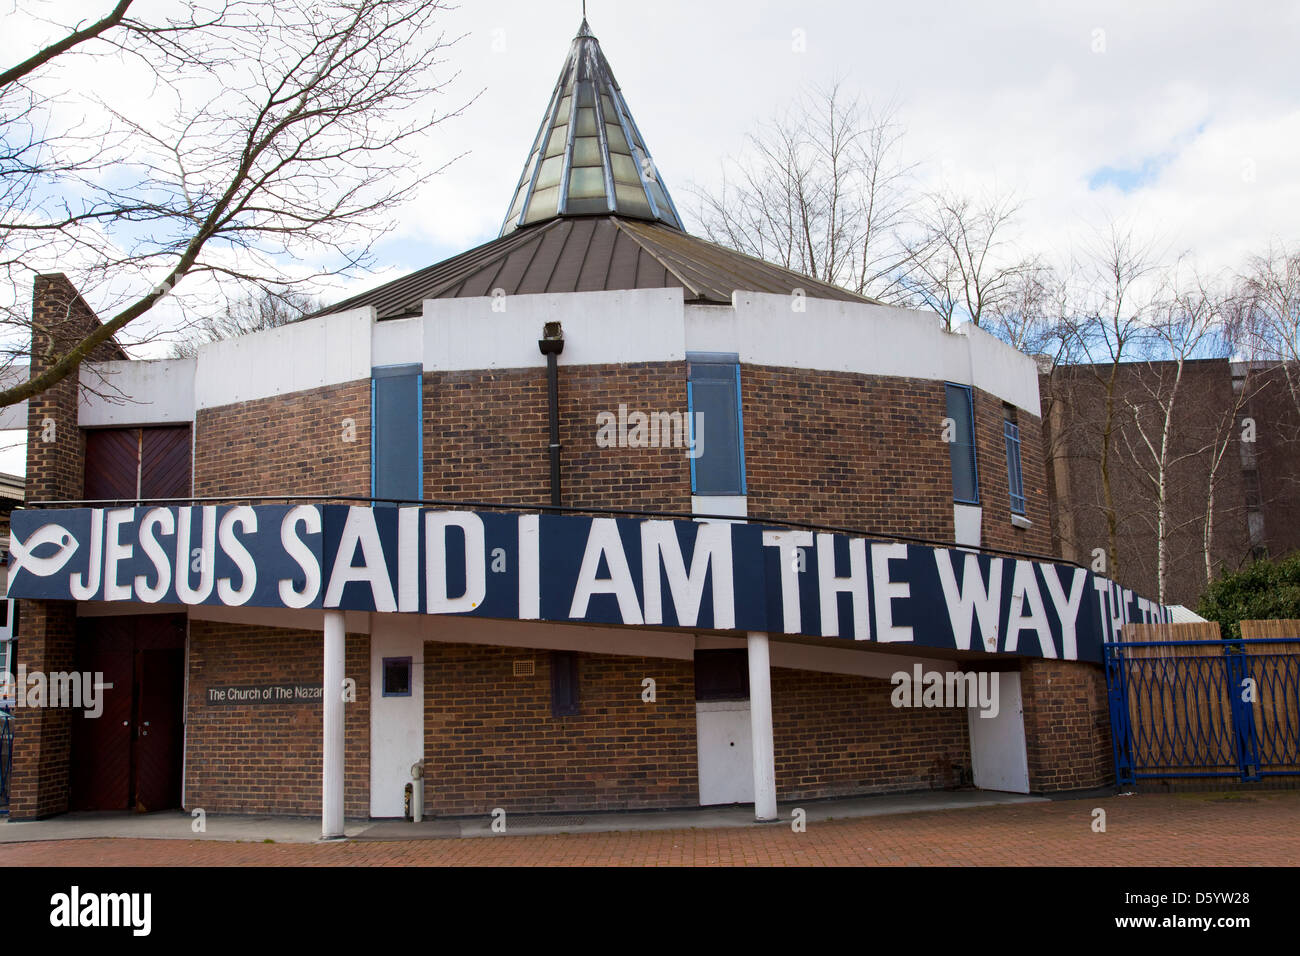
x: 1204, y: 708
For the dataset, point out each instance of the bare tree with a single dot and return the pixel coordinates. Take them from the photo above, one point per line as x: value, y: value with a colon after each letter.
x: 290, y: 135
x: 1266, y: 326
x: 1111, y: 327
x: 821, y: 190
x: 1186, y: 323
x: 962, y: 263
x: 270, y: 310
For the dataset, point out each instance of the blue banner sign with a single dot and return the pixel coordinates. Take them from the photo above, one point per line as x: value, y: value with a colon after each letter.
x: 686, y: 574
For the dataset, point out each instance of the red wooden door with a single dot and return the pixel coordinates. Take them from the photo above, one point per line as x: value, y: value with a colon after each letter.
x: 159, y: 682
x: 130, y: 463
x: 112, y: 464
x: 165, y: 455
x: 101, y: 746
x: 130, y: 756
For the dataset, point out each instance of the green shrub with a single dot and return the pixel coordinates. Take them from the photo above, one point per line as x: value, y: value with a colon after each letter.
x: 1266, y: 589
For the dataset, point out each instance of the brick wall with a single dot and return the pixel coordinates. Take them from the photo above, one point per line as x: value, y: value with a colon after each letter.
x: 1067, y: 725
x: 285, y: 445
x: 486, y: 436
x: 1206, y: 397
x: 838, y: 734
x: 995, y: 490
x: 266, y: 758
x: 491, y: 741
x: 43, y: 736
x: 849, y: 450
x: 55, y: 463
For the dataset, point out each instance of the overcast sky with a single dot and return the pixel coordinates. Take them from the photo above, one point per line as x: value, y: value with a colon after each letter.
x: 1180, y: 118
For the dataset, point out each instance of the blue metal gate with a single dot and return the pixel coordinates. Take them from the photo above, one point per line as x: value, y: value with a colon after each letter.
x: 1204, y: 708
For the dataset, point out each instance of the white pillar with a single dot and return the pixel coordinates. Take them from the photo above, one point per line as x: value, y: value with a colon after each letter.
x: 760, y: 722
x: 332, y: 757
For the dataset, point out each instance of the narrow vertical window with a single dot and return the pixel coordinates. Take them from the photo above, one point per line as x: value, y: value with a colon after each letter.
x: 396, y: 432
x: 564, y: 684
x: 1015, y: 481
x: 961, y: 447
x: 716, y: 425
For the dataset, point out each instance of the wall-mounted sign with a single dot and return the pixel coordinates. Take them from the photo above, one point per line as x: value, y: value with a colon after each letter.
x: 703, y: 575
x: 263, y: 694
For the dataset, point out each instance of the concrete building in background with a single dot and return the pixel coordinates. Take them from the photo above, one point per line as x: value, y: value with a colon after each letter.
x: 596, y: 515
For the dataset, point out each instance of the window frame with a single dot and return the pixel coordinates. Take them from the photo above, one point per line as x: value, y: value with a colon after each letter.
x: 731, y: 359
x: 383, y: 677
x: 1015, y: 468
x: 397, y: 371
x: 969, y: 392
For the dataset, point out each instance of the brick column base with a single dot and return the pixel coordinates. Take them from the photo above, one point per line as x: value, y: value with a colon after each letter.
x: 1067, y: 726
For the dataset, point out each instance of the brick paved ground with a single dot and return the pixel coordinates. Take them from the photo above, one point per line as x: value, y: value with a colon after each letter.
x: 1147, y: 830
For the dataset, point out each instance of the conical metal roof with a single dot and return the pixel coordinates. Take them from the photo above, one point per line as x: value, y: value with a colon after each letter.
x: 589, y: 157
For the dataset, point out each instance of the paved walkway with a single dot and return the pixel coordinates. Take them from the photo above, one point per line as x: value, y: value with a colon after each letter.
x: 179, y: 825
x: 1211, y: 829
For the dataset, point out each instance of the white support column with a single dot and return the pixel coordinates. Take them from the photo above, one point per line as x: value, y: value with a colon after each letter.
x: 760, y: 722
x: 332, y: 705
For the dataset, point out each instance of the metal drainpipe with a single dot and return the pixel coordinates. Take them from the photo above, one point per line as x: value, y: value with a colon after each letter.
x: 551, y: 344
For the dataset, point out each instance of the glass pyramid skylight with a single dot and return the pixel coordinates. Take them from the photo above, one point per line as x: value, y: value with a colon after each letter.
x: 589, y: 157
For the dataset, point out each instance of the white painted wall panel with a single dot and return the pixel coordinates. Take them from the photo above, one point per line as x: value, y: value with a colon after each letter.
x: 866, y: 339
x: 14, y: 416
x: 396, y: 723
x: 155, y: 392
x: 397, y: 342
x: 642, y: 325
x: 311, y: 354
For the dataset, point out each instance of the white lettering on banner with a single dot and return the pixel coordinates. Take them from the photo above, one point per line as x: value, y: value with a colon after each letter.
x: 1024, y: 590
x: 115, y: 551
x: 84, y: 588
x: 829, y: 585
x: 603, y: 539
x: 1067, y: 608
x: 786, y: 543
x: 408, y: 559
x: 297, y: 549
x: 530, y: 585
x: 660, y: 547
x: 360, y: 529
x: 887, y: 591
x: 157, y: 555
x: 1102, y: 587
x: 436, y: 524
x: 246, y: 518
x: 207, y: 558
x: 990, y: 606
x: 973, y: 600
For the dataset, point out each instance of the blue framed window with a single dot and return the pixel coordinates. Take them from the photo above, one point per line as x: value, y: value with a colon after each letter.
x: 397, y: 677
x: 713, y: 394
x: 1015, y: 480
x: 961, y: 449
x: 397, y: 432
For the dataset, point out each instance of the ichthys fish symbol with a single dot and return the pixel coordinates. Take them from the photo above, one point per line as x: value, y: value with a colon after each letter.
x: 23, y: 555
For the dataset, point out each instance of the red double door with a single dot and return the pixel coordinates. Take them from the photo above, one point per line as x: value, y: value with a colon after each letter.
x: 129, y: 757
